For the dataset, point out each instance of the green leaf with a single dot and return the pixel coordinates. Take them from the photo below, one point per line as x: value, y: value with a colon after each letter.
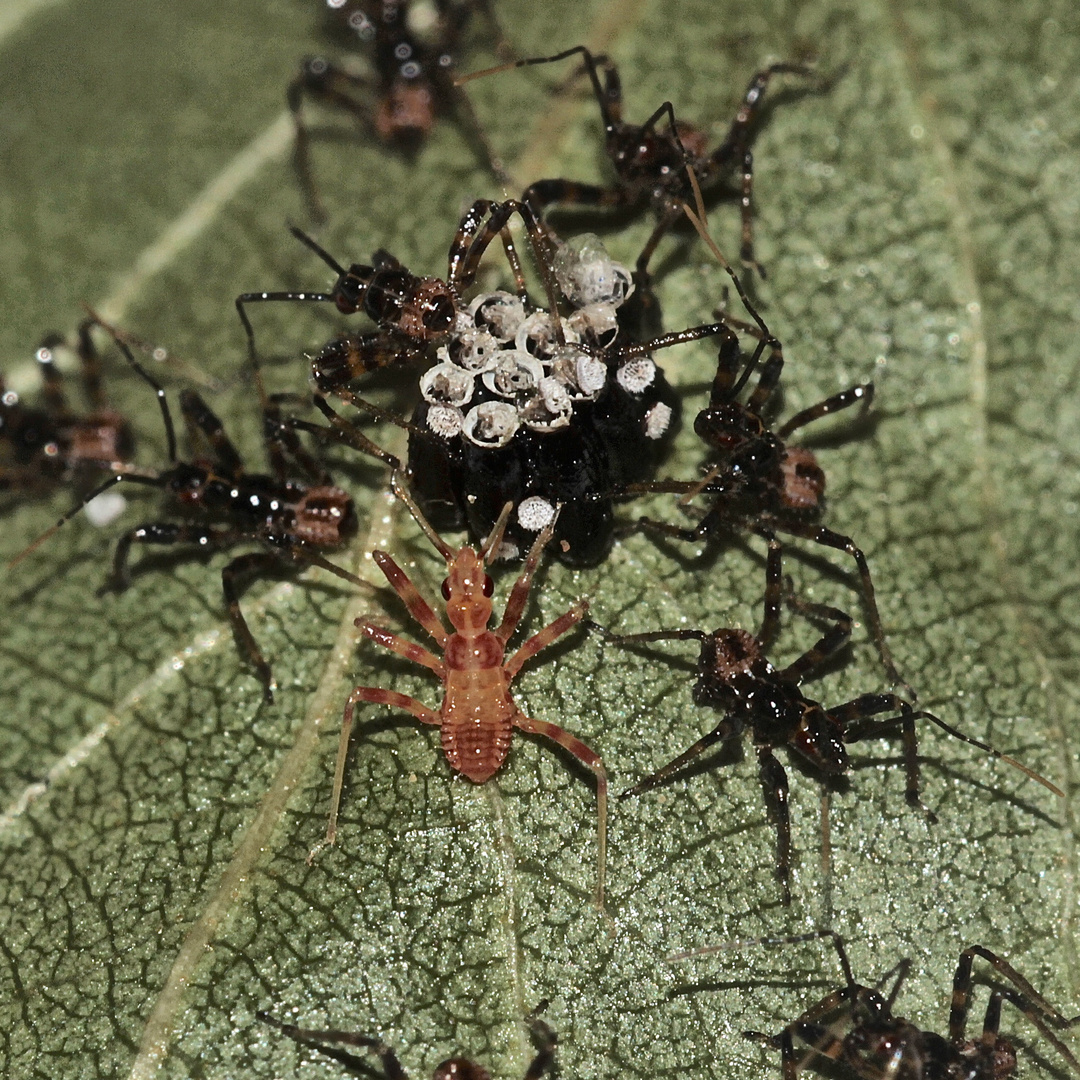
x: 919, y: 225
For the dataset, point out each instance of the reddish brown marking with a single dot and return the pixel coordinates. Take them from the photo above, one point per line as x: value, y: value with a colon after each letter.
x: 323, y: 515
x: 478, y: 712
x: 802, y: 481
x: 408, y: 110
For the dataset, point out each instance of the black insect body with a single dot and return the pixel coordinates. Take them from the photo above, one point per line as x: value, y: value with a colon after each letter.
x: 855, y: 1027
x: 524, y: 417
x: 453, y: 1069
x: 650, y: 160
x: 51, y: 444
x: 735, y: 678
x: 221, y: 505
x: 412, y: 84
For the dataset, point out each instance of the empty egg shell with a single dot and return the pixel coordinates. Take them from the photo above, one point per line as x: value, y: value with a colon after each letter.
x: 595, y: 321
x: 538, y: 335
x: 473, y: 349
x: 491, y: 424
x: 587, y: 275
x: 500, y: 313
x: 552, y: 408
x: 446, y: 384
x: 515, y: 375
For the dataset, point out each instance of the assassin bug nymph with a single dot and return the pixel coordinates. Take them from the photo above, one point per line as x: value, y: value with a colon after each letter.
x: 222, y: 504
x: 458, y: 1068
x: 412, y: 84
x: 478, y: 714
x: 413, y: 313
x: 735, y: 678
x: 43, y: 446
x: 651, y: 160
x: 856, y: 1027
x: 759, y: 483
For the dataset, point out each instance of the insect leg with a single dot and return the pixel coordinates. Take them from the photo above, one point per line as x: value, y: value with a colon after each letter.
x: 591, y: 760
x: 774, y: 781
x: 376, y: 696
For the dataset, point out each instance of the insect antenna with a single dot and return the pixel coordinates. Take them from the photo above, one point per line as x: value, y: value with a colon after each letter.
x: 163, y: 404
x: 314, y: 246
x: 699, y: 222
x: 150, y: 478
x: 532, y: 61
x: 1028, y: 772
x: 495, y: 537
x: 443, y: 548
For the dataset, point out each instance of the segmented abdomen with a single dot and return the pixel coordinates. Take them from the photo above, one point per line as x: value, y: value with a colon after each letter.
x: 477, y: 720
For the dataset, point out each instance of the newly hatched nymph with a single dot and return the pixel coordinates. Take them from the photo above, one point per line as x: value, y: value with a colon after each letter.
x: 478, y: 713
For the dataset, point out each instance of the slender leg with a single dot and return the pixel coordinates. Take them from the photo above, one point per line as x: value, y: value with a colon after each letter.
x: 543, y: 638
x: 962, y: 991
x: 843, y: 400
x: 375, y: 696
x: 463, y: 270
x: 591, y: 760
x: 827, y: 538
x: 774, y: 781
x: 769, y: 378
x: 665, y: 528
x: 322, y: 80
x: 666, y: 223
x: 870, y: 704
x: 408, y: 649
x: 519, y: 594
x: 311, y: 1037
x: 238, y: 571
x: 739, y: 134
x: 723, y: 731
x: 344, y: 432
x: 418, y: 607
x: 91, y: 365
x: 649, y: 635
x: 263, y: 297
x: 163, y: 404
x: 728, y: 362
x: 162, y: 532
x: 770, y: 621
x: 830, y: 642
x: 665, y: 341
x: 544, y: 193
x: 201, y: 422
x: 1029, y: 1001
x: 788, y: 1061
x: 460, y: 246
x: 746, y: 209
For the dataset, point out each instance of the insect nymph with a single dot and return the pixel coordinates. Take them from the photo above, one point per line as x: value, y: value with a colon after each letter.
x: 478, y: 713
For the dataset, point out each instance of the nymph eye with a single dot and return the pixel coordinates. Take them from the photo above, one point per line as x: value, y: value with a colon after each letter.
x: 446, y: 588
x: 489, y: 585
